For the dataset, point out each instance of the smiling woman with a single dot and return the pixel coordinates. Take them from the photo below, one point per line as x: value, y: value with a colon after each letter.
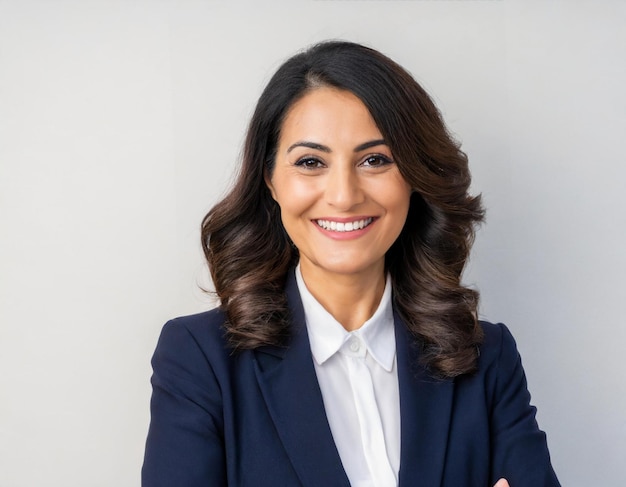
x: 342, y: 198
x: 345, y: 350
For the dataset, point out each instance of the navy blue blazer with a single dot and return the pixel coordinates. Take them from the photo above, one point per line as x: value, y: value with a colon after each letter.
x: 256, y: 418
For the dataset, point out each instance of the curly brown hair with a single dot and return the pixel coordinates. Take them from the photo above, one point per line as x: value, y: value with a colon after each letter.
x: 249, y: 253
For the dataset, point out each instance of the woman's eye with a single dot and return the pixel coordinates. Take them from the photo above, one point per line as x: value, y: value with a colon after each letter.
x: 376, y: 161
x: 309, y: 163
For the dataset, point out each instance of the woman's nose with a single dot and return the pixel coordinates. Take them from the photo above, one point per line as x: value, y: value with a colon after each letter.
x: 343, y: 190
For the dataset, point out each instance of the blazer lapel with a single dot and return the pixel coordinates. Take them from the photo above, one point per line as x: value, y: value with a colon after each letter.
x: 289, y: 386
x: 425, y: 408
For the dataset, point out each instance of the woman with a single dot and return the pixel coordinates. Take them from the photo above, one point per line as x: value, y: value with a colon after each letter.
x: 345, y: 350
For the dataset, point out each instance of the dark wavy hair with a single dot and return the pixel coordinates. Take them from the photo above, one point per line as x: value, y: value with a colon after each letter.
x: 249, y: 253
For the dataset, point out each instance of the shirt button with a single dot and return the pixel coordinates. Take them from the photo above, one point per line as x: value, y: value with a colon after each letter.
x: 355, y: 345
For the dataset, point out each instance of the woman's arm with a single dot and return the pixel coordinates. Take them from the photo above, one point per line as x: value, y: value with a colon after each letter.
x: 520, y: 450
x: 184, y: 445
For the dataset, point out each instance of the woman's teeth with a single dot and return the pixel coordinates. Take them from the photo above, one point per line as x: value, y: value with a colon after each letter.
x: 344, y: 227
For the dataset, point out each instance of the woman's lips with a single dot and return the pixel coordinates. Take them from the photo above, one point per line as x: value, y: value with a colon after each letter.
x: 344, y: 226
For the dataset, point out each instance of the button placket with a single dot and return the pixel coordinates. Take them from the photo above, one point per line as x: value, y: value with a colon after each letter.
x: 370, y: 422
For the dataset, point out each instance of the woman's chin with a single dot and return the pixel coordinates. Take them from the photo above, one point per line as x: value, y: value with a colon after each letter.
x: 343, y: 266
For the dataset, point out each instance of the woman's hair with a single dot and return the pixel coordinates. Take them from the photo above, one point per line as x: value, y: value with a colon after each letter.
x: 249, y: 253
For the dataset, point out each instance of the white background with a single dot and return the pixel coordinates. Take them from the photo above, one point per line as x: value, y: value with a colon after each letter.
x: 121, y: 123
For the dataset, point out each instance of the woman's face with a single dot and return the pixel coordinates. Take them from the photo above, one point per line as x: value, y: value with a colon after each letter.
x: 343, y: 201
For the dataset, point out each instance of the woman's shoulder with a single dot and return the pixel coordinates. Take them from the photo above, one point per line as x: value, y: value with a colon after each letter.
x: 498, y: 344
x: 206, y: 322
x: 201, y: 335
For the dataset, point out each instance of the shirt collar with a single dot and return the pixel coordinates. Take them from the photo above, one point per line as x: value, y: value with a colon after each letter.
x: 327, y: 335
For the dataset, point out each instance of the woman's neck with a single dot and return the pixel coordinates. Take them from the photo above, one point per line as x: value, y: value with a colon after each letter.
x: 351, y: 299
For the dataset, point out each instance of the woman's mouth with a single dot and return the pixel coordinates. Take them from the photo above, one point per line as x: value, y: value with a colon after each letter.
x: 335, y: 226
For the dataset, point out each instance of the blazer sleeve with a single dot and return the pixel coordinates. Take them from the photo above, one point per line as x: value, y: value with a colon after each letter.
x: 520, y: 450
x: 185, y: 439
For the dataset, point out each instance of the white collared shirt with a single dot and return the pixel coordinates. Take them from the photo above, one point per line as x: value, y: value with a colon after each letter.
x: 358, y: 377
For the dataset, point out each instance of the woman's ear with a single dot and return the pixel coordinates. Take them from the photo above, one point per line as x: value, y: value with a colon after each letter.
x: 268, y: 183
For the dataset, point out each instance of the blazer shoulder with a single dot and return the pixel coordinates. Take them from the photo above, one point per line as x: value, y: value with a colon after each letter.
x: 498, y: 344
x: 206, y: 323
x: 203, y: 332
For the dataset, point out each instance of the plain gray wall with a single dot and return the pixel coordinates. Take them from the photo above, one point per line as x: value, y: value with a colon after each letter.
x: 120, y: 125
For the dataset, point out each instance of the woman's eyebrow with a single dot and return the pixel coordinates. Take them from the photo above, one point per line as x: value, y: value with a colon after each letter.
x: 310, y: 145
x: 323, y: 148
x: 371, y: 143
